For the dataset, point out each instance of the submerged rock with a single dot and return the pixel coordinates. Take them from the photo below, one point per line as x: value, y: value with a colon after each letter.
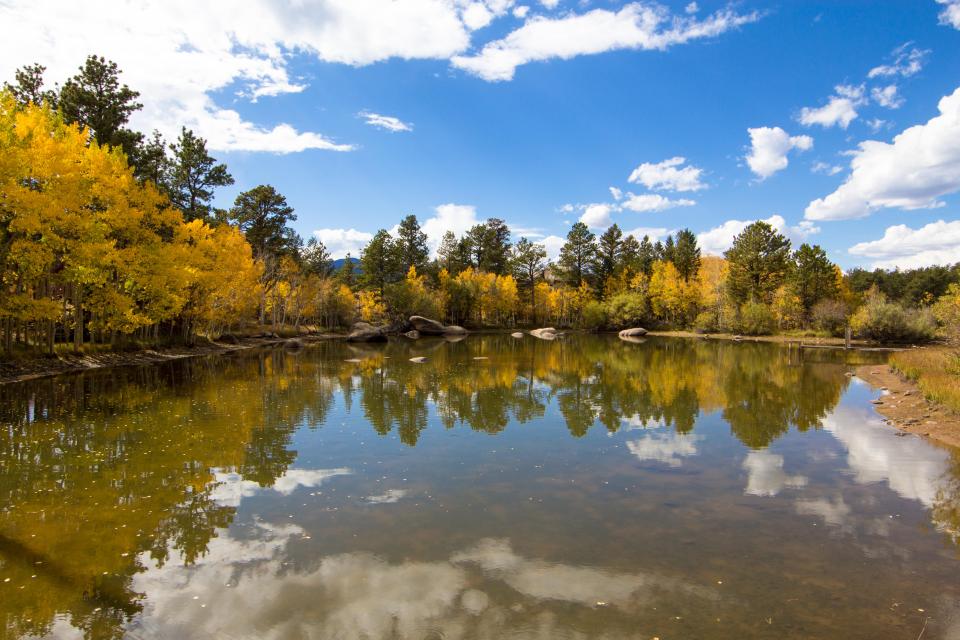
x: 516, y: 334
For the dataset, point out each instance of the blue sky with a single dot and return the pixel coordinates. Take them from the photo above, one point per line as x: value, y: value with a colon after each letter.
x: 362, y: 111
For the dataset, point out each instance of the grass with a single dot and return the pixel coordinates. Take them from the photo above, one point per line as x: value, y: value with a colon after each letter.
x: 936, y: 370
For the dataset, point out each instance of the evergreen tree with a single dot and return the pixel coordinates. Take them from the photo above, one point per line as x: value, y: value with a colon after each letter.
x: 608, y: 256
x: 262, y: 215
x: 28, y: 88
x: 95, y: 99
x: 759, y: 263
x: 529, y: 262
x: 667, y: 250
x: 490, y: 246
x: 193, y: 176
x: 152, y: 163
x: 686, y: 254
x: 378, y: 263
x: 447, y: 252
x: 814, y: 276
x: 577, y: 255
x: 629, y: 254
x: 347, y: 274
x: 411, y: 244
x: 316, y: 259
x: 647, y: 254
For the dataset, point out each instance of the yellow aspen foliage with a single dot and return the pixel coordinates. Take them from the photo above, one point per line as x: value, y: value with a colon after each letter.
x: 371, y: 308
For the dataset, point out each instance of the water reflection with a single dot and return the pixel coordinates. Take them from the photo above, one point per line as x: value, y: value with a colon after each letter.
x: 122, y: 491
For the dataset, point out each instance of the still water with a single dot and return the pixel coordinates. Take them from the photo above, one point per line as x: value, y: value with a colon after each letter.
x: 583, y: 488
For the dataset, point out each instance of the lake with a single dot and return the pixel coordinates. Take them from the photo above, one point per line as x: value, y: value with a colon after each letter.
x: 505, y: 488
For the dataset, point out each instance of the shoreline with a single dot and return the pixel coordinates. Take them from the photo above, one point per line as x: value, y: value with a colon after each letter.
x: 803, y: 341
x: 905, y: 408
x: 15, y: 371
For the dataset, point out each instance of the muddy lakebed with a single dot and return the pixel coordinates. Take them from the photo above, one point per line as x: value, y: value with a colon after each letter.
x: 501, y: 488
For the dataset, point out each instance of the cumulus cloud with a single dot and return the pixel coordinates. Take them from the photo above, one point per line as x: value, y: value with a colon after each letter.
x: 669, y: 175
x: 887, y: 96
x: 389, y: 123
x: 550, y: 4
x: 840, y: 110
x: 951, y: 13
x: 913, y: 172
x: 652, y: 232
x: 906, y: 248
x: 907, y: 61
x: 340, y: 242
x: 718, y: 239
x: 552, y: 244
x: 653, y: 202
x: 616, y: 193
x: 448, y: 217
x: 521, y: 11
x: 596, y: 215
x: 826, y: 168
x: 635, y: 26
x: 769, y: 147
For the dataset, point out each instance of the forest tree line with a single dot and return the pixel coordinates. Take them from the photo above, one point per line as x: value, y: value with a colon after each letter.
x: 109, y: 236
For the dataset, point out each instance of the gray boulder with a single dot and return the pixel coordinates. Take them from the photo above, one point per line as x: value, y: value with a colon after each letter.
x: 294, y: 344
x: 366, y: 334
x: 413, y: 334
x: 636, y: 332
x: 544, y: 333
x: 429, y: 327
x: 516, y: 334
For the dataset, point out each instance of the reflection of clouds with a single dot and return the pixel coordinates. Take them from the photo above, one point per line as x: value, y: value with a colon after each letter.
x: 388, y: 497
x: 834, y: 512
x: 765, y: 475
x: 246, y: 589
x: 910, y: 466
x: 635, y: 422
x: 230, y: 487
x: 664, y: 447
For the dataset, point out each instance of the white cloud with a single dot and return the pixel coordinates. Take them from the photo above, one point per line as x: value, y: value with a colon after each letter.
x: 840, y: 110
x: 230, y: 487
x: 179, y: 53
x: 906, y: 248
x: 596, y: 215
x: 448, y: 217
x: 550, y: 4
x: 913, y: 172
x: 521, y: 11
x: 476, y: 15
x: 691, y: 8
x: 876, y: 124
x: 951, y: 13
x: 389, y: 123
x: 669, y: 175
x: 717, y: 240
x: 654, y: 202
x: 826, y: 168
x: 653, y: 232
x: 552, y: 244
x: 340, y: 242
x: 769, y: 147
x: 887, y: 96
x: 803, y: 230
x: 669, y: 448
x: 835, y: 513
x: 635, y: 26
x: 765, y: 475
x: 907, y: 61
x: 615, y: 193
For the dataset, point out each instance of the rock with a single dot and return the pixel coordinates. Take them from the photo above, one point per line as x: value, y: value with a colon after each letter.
x: 848, y: 374
x: 516, y: 334
x: 544, y: 333
x: 876, y: 402
x: 353, y: 360
x: 455, y: 337
x: 429, y: 327
x: 229, y: 338
x: 413, y: 334
x: 633, y: 339
x: 418, y: 359
x: 481, y: 358
x: 738, y: 338
x: 361, y: 326
x: 293, y: 343
x: 636, y: 332
x: 371, y: 334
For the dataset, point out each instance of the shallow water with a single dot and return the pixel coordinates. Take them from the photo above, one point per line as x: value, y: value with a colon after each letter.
x: 583, y: 488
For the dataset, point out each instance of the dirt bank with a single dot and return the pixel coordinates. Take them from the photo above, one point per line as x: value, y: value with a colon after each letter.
x: 907, y: 410
x: 21, y: 370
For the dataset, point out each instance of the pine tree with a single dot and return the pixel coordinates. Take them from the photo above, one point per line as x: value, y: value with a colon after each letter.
x: 759, y: 263
x: 686, y: 254
x: 28, y: 88
x: 316, y: 259
x: 411, y: 244
x: 647, y: 254
x: 262, y: 215
x: 608, y: 257
x: 194, y: 175
x: 814, y: 276
x: 378, y: 263
x: 529, y: 262
x: 577, y: 255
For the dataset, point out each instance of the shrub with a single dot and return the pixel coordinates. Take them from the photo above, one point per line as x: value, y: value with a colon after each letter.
x: 626, y: 309
x: 705, y: 322
x: 935, y: 370
x: 947, y: 310
x: 886, y: 321
x: 593, y: 316
x: 756, y: 319
x: 830, y: 316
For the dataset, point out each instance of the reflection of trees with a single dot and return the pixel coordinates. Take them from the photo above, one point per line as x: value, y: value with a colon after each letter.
x: 762, y: 389
x: 99, y: 471
x: 946, y: 506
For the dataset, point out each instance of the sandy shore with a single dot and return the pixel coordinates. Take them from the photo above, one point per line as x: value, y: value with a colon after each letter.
x: 21, y: 370
x: 907, y: 410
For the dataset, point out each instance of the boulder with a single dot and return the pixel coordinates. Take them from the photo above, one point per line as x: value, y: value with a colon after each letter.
x: 418, y: 359
x: 544, y: 333
x: 633, y: 339
x: 413, y: 334
x: 636, y: 332
x: 429, y: 327
x: 361, y: 326
x: 229, y: 338
x: 371, y: 334
x: 293, y: 343
x: 516, y: 334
